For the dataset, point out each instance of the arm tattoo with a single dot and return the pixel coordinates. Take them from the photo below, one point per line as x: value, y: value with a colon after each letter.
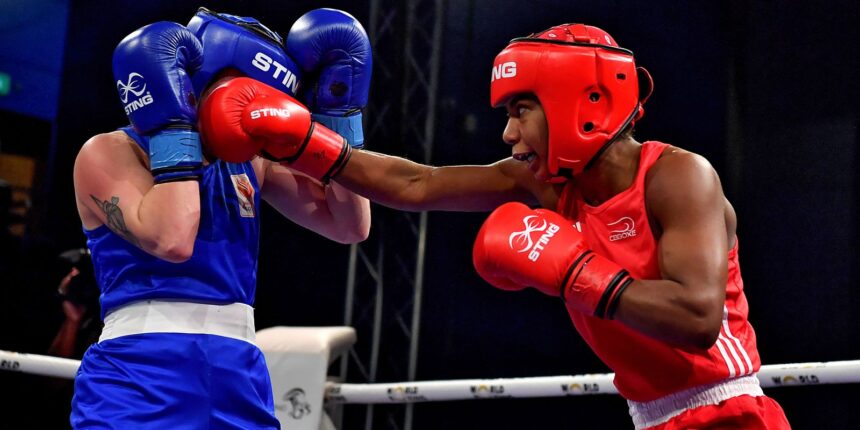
x: 114, y: 220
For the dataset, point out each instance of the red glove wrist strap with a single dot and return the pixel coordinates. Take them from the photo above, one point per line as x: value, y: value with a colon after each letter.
x: 595, y: 284
x: 322, y: 155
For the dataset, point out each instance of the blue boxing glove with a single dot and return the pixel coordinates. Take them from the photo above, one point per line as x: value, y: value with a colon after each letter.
x: 152, y: 67
x: 244, y: 44
x: 332, y: 46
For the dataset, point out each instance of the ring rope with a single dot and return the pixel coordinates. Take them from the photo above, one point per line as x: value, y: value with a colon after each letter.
x: 774, y: 375
x: 770, y: 376
x: 39, y: 364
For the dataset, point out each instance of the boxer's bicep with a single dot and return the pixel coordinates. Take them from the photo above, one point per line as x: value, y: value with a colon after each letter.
x: 693, y: 251
x: 685, y: 306
x: 110, y: 182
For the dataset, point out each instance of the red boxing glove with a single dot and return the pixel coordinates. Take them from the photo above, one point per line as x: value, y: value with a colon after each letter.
x: 519, y: 247
x: 243, y: 117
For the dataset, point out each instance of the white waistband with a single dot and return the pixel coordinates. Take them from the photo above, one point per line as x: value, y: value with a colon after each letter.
x: 235, y: 320
x: 648, y: 414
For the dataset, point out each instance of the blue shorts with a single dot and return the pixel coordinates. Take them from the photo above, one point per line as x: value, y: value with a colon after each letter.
x: 173, y: 381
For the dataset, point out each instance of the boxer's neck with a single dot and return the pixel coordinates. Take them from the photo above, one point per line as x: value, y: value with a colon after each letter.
x: 612, y: 173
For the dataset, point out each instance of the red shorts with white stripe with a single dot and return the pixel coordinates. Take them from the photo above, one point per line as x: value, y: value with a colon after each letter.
x: 741, y: 412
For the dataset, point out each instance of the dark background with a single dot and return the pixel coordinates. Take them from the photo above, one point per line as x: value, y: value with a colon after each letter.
x: 767, y: 91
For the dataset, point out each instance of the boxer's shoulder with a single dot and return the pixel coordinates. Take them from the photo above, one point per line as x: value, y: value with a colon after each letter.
x: 113, y: 147
x: 674, y: 162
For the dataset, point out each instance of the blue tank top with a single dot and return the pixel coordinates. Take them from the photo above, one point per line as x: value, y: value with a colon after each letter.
x: 223, y: 266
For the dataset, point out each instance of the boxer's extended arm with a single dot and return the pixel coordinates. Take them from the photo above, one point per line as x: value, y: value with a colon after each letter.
x: 114, y: 187
x: 245, y: 114
x: 685, y: 198
x: 329, y: 210
x: 402, y: 184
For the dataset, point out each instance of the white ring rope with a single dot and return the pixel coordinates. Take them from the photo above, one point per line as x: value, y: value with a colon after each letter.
x: 39, y: 364
x: 773, y: 375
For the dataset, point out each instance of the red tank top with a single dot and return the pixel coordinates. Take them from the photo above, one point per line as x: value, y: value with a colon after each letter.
x: 645, y: 368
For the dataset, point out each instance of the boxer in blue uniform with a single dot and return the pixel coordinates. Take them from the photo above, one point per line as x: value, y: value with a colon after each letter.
x: 174, y: 232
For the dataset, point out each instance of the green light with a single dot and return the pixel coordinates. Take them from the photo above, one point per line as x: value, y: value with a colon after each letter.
x: 5, y: 84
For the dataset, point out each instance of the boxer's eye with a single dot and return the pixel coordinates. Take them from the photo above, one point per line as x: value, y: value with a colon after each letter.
x: 522, y: 107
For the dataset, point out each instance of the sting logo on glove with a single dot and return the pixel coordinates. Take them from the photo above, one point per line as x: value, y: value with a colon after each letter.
x: 587, y: 282
x: 267, y: 112
x: 131, y: 86
x: 134, y: 80
x: 524, y: 238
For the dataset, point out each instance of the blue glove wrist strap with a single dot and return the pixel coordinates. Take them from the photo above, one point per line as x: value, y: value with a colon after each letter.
x: 347, y: 126
x: 188, y: 174
x: 174, y: 154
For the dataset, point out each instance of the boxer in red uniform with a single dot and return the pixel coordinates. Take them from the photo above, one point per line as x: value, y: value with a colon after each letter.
x: 637, y: 239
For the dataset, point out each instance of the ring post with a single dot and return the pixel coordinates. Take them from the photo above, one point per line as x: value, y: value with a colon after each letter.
x: 298, y: 359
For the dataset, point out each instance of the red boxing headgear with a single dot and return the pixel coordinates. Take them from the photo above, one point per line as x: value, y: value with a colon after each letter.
x: 587, y: 84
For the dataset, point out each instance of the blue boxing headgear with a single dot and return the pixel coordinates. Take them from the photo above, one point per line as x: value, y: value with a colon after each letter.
x: 243, y: 44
